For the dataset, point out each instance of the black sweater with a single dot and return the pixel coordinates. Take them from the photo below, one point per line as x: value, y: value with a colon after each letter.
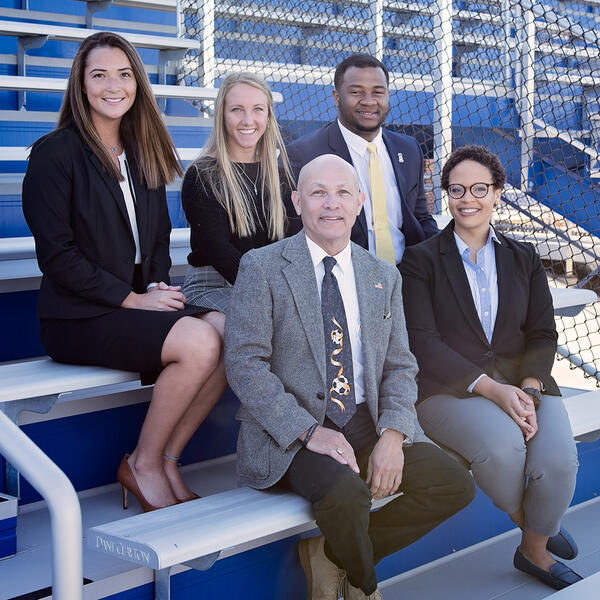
x: 213, y: 242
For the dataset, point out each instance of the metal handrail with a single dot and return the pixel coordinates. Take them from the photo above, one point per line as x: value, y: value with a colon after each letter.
x: 561, y: 22
x: 565, y: 136
x: 556, y: 232
x: 63, y: 504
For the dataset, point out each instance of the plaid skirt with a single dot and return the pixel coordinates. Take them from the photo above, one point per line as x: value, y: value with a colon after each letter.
x: 205, y: 287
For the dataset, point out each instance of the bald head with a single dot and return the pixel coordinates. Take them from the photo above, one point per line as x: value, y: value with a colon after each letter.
x: 322, y: 164
x: 328, y: 201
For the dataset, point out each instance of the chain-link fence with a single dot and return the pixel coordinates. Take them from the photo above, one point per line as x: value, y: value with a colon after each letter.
x: 524, y: 80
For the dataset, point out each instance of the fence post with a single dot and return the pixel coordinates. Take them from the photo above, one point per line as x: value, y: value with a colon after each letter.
x: 206, y: 37
x: 442, y: 100
x: 375, y: 36
x: 525, y: 89
x: 509, y: 44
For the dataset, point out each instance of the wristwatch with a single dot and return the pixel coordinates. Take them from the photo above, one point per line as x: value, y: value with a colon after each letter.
x: 535, y: 394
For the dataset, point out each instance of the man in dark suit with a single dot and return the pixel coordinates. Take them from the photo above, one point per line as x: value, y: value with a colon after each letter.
x: 327, y: 391
x: 387, y: 224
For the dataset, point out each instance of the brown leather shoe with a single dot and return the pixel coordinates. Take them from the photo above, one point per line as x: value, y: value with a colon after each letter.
x: 322, y: 576
x: 352, y: 593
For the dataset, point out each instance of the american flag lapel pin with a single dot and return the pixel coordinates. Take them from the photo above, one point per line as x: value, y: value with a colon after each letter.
x: 378, y: 286
x: 400, y: 157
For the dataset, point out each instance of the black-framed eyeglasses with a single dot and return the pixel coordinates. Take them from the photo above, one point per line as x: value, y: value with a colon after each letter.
x: 478, y: 190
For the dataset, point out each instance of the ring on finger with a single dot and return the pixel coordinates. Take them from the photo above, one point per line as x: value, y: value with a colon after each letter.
x: 340, y: 451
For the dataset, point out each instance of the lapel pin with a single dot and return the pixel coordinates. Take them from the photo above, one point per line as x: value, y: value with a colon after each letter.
x: 378, y: 286
x: 400, y: 157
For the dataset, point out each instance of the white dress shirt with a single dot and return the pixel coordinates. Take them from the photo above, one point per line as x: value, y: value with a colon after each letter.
x: 343, y: 271
x: 359, y: 154
x: 129, y: 196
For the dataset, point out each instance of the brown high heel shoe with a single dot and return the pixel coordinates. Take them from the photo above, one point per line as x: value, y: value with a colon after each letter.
x: 127, y: 480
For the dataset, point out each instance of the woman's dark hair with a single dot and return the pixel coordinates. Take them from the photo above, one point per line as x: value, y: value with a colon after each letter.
x: 361, y: 61
x: 478, y: 154
x: 142, y: 129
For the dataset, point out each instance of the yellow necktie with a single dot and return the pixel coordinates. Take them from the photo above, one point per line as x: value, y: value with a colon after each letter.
x: 384, y: 246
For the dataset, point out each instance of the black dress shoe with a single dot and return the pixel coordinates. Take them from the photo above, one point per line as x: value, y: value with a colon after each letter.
x: 560, y: 576
x: 562, y: 545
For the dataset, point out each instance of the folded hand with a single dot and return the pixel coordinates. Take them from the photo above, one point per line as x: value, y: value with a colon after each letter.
x: 386, y: 463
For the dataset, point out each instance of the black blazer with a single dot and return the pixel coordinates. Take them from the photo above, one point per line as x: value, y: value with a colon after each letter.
x: 445, y: 332
x: 417, y: 223
x: 83, y: 238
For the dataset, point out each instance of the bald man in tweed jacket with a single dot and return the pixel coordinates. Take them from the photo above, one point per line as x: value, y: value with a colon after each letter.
x: 276, y: 364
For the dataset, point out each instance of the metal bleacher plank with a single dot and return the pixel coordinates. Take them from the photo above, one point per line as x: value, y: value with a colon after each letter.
x: 75, y: 34
x: 23, y: 247
x: 231, y: 520
x: 72, y: 20
x: 587, y: 589
x: 19, y: 153
x: 13, y: 153
x: 51, y: 84
x: 570, y: 77
x: 164, y: 5
x: 44, y: 377
x: 584, y: 412
x: 210, y: 528
x: 570, y: 301
x: 19, y: 270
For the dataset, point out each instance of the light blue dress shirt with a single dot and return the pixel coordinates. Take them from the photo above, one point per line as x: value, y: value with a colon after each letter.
x: 483, y: 281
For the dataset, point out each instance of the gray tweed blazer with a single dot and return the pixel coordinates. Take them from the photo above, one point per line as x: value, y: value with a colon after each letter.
x: 275, y: 354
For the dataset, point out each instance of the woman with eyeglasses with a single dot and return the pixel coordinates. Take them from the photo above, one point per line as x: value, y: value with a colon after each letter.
x: 94, y: 199
x: 481, y: 325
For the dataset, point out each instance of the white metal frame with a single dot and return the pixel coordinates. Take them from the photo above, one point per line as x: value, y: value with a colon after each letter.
x: 63, y: 504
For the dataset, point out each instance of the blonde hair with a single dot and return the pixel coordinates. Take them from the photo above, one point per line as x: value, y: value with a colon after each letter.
x: 142, y: 130
x: 227, y: 182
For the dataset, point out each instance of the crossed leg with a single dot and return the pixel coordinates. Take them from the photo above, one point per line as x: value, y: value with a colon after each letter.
x: 189, y: 385
x: 198, y: 410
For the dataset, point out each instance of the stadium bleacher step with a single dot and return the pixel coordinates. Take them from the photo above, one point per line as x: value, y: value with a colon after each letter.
x: 28, y: 570
x: 485, y: 572
x: 485, y: 567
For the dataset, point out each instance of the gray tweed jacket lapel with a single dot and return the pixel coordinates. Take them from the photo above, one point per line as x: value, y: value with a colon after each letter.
x: 371, y: 302
x: 300, y: 276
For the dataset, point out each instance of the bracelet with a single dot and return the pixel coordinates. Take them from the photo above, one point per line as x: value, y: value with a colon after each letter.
x: 309, y: 433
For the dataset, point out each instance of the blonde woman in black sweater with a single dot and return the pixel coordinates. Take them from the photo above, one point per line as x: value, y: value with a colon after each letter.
x: 232, y: 193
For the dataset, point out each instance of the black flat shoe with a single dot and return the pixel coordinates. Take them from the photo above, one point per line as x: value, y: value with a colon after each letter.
x: 560, y: 576
x: 562, y: 545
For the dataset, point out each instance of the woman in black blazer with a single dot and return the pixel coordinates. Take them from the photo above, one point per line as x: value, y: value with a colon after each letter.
x: 94, y: 199
x: 481, y: 325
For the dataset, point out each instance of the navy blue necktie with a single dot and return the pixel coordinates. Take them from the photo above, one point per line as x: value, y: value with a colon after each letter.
x: 341, y: 404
